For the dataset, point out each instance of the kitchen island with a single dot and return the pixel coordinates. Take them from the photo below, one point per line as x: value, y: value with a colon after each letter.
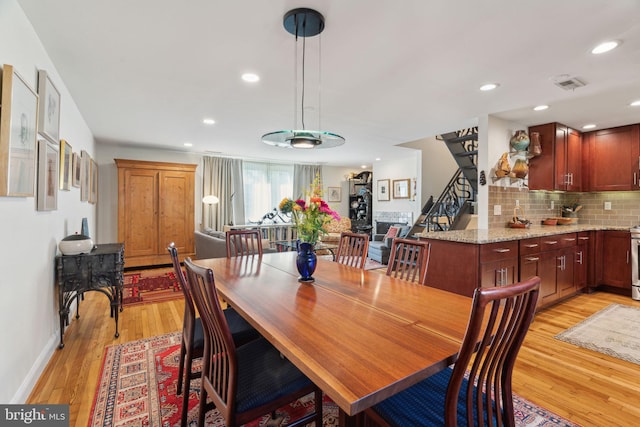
x: 568, y: 259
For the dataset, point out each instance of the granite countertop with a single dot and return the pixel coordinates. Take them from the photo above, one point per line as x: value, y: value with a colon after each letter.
x: 504, y: 234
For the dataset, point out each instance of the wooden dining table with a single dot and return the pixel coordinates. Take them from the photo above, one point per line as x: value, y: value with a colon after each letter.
x: 361, y: 336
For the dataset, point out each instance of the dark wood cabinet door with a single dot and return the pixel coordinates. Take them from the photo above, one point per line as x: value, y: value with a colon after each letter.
x: 574, y: 160
x: 499, y: 273
x: 614, y: 161
x: 548, y: 275
x: 565, y: 271
x: 561, y: 172
x: 615, y: 259
x: 541, y: 168
x: 580, y: 265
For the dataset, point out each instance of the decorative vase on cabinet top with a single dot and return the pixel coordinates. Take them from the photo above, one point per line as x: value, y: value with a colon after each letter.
x: 76, y: 244
x: 520, y: 140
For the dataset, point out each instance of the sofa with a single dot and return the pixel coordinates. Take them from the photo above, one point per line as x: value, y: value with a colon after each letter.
x: 334, y: 229
x: 380, y: 244
x: 213, y: 244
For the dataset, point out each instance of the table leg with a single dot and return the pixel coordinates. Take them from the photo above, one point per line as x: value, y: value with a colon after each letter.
x: 345, y: 420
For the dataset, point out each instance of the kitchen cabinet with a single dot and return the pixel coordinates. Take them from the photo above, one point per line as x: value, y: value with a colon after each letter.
x: 582, y: 260
x: 559, y: 167
x: 614, y: 259
x: 155, y: 208
x: 498, y: 264
x: 552, y: 259
x: 613, y: 159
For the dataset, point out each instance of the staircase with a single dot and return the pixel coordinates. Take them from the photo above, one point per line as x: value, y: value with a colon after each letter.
x: 453, y: 208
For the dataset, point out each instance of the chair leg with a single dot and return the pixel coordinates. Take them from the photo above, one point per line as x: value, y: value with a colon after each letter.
x: 319, y: 418
x: 186, y: 388
x: 181, y: 367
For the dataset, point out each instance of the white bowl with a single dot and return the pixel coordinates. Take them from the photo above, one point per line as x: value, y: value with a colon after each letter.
x: 75, y: 244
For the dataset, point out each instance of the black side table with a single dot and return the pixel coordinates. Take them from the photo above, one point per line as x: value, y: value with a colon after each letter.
x: 100, y: 270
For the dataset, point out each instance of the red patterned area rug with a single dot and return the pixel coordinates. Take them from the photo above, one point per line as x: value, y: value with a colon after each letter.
x: 138, y: 381
x: 149, y: 286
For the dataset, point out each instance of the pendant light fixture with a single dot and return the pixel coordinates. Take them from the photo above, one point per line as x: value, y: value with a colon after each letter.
x: 303, y: 23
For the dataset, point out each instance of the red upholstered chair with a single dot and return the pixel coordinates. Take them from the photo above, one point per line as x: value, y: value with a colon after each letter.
x: 477, y: 391
x: 242, y: 382
x: 192, y: 346
x: 409, y: 260
x: 352, y: 249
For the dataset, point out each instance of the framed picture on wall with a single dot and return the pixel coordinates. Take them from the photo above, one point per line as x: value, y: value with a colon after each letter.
x: 335, y: 194
x: 49, y: 111
x: 85, y: 176
x: 77, y: 167
x: 93, y: 182
x: 66, y: 165
x: 18, y: 135
x: 383, y: 190
x: 47, y: 176
x: 400, y: 188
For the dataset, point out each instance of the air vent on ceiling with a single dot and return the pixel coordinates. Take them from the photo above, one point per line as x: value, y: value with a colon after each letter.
x: 569, y: 84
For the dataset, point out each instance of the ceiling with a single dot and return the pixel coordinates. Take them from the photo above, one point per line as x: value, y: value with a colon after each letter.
x: 146, y: 72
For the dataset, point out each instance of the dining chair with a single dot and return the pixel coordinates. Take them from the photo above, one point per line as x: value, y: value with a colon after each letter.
x: 477, y: 391
x: 242, y: 382
x: 192, y: 345
x: 244, y: 242
x: 352, y: 249
x: 409, y: 260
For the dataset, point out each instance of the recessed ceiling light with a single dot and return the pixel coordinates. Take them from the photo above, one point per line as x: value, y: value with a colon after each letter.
x: 489, y: 86
x: 605, y: 47
x: 208, y: 121
x: 635, y: 103
x: 378, y: 159
x: 363, y: 166
x: 188, y: 144
x: 540, y: 107
x: 250, y: 77
x: 589, y: 126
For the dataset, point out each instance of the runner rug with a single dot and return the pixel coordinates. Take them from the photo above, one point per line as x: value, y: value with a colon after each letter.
x: 149, y: 286
x: 613, y: 331
x: 137, y: 387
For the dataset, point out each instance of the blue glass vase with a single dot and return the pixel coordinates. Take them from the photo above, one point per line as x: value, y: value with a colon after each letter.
x: 306, y: 261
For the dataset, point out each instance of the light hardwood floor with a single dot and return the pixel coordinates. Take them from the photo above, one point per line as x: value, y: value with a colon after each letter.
x: 586, y: 387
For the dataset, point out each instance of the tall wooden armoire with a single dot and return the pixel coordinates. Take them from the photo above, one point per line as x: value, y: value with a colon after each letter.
x: 155, y: 208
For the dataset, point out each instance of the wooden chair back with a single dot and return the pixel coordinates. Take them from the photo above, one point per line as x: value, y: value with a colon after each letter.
x: 499, y: 320
x: 352, y: 249
x: 409, y: 260
x: 188, y: 349
x: 219, y: 363
x: 244, y: 242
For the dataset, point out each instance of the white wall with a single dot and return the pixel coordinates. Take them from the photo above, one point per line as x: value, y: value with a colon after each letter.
x: 29, y: 302
x: 407, y: 167
x: 107, y: 231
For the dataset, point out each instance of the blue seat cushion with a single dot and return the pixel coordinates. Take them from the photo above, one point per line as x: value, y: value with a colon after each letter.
x: 423, y: 403
x: 241, y: 331
x: 264, y: 375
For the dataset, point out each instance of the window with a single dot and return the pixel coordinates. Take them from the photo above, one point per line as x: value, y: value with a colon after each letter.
x: 265, y: 185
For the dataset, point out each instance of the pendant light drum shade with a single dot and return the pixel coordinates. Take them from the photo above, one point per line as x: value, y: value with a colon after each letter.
x: 303, y: 22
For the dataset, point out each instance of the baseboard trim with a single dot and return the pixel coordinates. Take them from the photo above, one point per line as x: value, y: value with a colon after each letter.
x: 25, y: 389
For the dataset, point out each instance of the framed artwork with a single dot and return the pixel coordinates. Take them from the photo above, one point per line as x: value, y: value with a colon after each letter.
x: 49, y: 111
x: 93, y: 182
x: 383, y: 190
x: 400, y: 188
x: 66, y: 165
x: 335, y: 194
x: 77, y: 167
x: 47, y: 176
x: 18, y: 135
x: 85, y: 171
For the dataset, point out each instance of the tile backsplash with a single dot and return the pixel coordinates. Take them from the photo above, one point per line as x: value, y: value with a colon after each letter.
x: 535, y: 206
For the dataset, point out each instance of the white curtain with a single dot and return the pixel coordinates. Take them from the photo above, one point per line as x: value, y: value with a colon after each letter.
x: 303, y: 176
x: 266, y: 184
x: 222, y: 177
